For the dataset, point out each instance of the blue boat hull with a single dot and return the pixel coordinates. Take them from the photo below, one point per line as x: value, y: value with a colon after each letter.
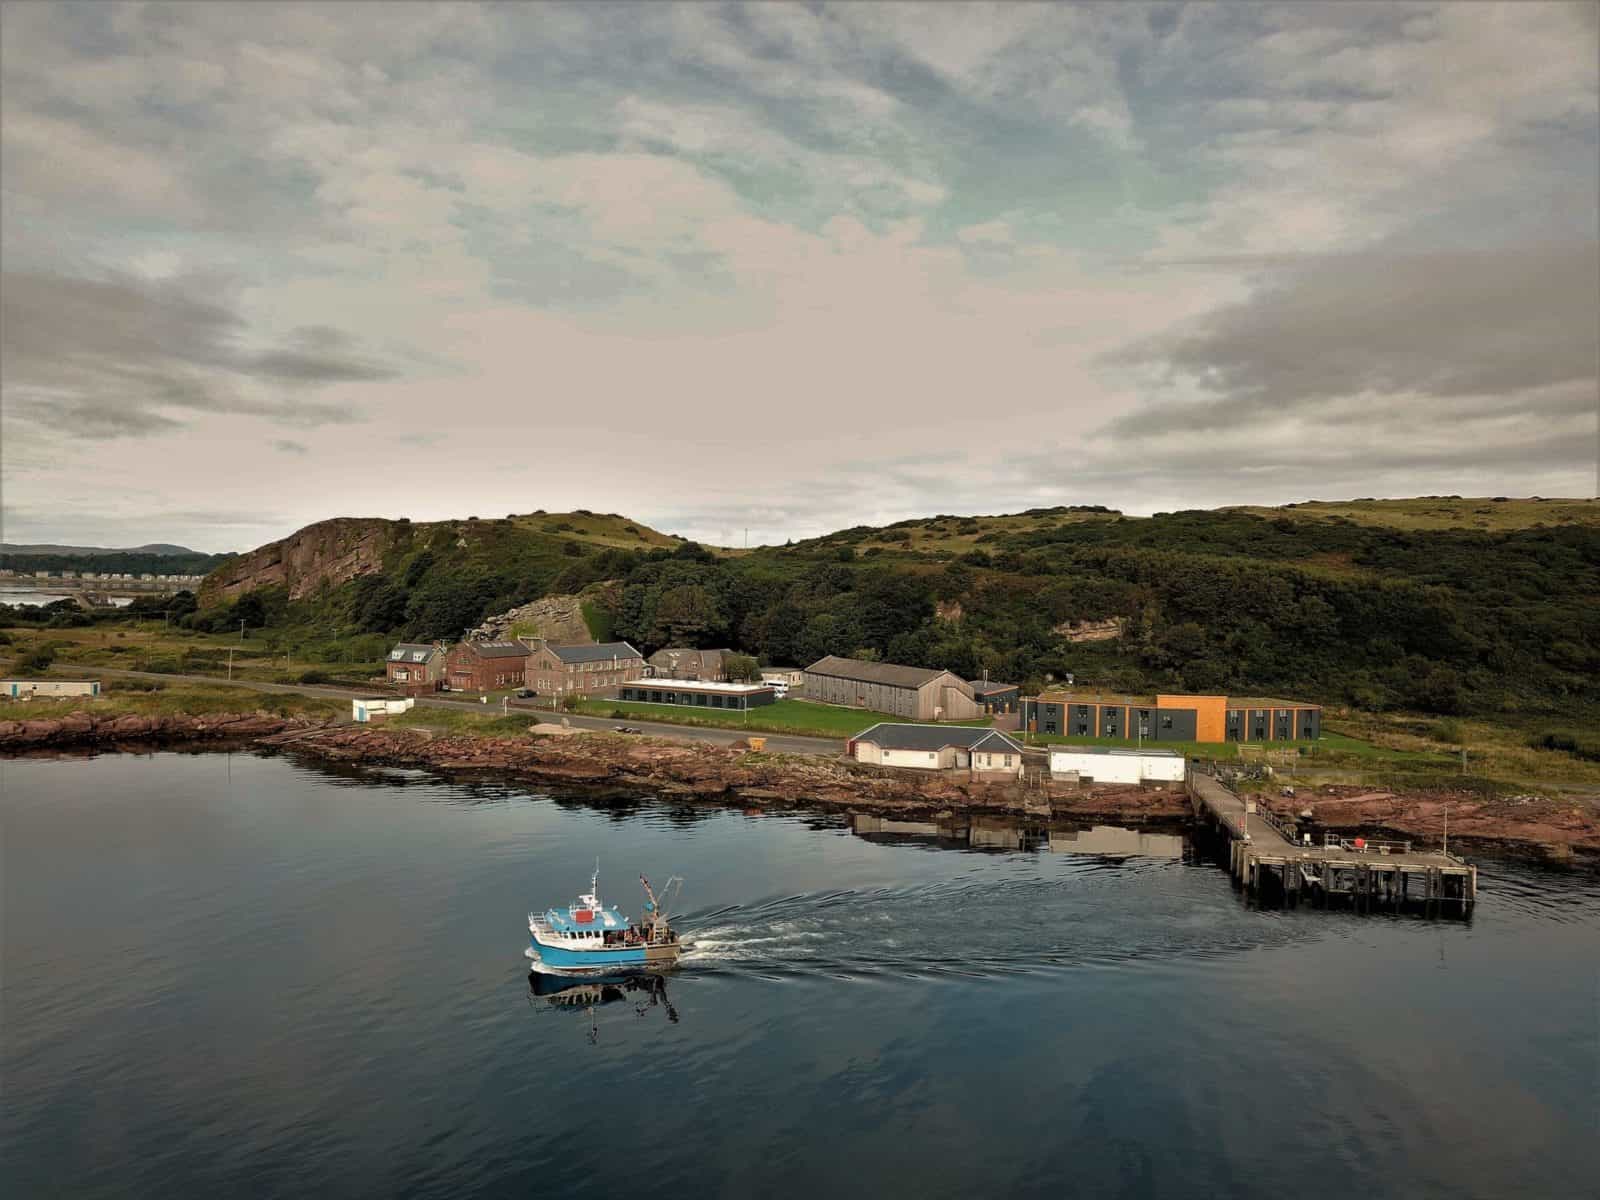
x: 588, y: 960
x: 559, y: 958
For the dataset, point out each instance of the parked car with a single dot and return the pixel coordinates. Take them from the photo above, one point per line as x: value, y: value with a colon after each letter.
x: 526, y: 693
x: 624, y: 729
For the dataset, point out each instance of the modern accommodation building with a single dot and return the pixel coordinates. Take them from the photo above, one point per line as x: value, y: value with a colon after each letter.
x: 581, y: 670
x: 416, y: 667
x: 919, y: 693
x: 485, y: 666
x: 1171, y: 718
x: 698, y: 693
x: 680, y: 662
x: 937, y: 747
x: 1104, y: 765
x: 997, y: 698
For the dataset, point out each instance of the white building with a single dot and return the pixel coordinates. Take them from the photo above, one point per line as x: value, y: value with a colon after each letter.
x: 23, y: 689
x: 377, y: 708
x: 1118, y: 766
x: 937, y: 747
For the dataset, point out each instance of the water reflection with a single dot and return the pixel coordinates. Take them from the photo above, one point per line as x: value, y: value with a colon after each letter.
x: 999, y: 833
x: 588, y: 993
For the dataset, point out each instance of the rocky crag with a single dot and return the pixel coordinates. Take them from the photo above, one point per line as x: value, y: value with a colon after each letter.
x: 328, y: 552
x: 559, y: 619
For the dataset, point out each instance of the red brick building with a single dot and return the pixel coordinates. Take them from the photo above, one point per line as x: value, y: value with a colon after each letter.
x: 581, y: 670
x: 486, y: 666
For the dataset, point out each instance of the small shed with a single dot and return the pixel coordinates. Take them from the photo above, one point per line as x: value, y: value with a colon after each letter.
x: 377, y: 708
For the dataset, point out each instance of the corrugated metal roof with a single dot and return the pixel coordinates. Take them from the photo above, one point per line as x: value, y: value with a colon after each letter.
x: 893, y: 736
x: 598, y: 652
x: 891, y: 674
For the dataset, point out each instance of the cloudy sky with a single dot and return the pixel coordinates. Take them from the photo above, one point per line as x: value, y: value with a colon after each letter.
x: 787, y: 267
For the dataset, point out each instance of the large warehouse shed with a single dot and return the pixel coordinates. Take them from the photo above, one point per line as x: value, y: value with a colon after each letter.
x: 916, y: 692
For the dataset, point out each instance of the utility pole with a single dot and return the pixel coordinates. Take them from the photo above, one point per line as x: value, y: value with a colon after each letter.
x: 1447, y: 831
x: 230, y: 663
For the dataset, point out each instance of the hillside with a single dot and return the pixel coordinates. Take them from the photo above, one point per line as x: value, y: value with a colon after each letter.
x: 1319, y: 605
x: 1493, y: 513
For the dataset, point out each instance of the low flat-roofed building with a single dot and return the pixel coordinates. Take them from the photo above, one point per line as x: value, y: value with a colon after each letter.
x: 1106, y: 765
x: 937, y: 748
x: 1170, y: 717
x: 698, y: 693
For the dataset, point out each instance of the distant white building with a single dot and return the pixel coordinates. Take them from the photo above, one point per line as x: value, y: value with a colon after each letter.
x: 25, y: 689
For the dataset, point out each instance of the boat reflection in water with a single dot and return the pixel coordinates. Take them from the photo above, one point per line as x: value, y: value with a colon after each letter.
x: 587, y: 994
x: 996, y: 833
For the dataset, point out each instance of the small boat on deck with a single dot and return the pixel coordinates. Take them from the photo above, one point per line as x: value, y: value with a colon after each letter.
x: 587, y: 936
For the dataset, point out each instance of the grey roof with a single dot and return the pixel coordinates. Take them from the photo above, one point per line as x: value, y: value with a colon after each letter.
x: 891, y: 674
x: 413, y: 652
x: 986, y: 689
x: 598, y: 652
x: 893, y: 736
x: 497, y: 649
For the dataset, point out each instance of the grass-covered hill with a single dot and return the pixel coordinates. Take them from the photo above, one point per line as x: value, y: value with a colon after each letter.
x: 1376, y: 605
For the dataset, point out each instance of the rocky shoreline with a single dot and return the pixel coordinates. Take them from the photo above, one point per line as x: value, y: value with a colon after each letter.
x: 1556, y: 829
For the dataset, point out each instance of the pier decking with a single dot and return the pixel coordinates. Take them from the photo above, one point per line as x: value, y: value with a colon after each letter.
x: 1262, y: 857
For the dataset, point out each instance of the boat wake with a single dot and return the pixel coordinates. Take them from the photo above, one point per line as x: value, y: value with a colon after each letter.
x: 974, y: 926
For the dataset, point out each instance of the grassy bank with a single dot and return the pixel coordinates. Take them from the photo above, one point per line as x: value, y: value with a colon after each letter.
x: 149, y: 698
x: 265, y: 656
x: 797, y: 717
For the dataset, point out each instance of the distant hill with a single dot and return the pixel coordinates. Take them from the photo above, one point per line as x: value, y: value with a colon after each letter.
x: 160, y: 549
x: 1432, y: 604
x: 1440, y: 512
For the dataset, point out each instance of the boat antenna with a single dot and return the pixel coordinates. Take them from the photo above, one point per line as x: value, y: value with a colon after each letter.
x: 594, y: 881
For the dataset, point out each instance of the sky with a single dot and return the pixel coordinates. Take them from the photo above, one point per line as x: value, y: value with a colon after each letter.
x: 787, y: 268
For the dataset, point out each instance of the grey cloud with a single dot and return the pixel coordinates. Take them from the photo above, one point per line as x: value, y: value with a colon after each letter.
x: 1453, y: 332
x: 119, y: 356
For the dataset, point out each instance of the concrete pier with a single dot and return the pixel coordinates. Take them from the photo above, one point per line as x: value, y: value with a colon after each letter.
x: 1263, y: 859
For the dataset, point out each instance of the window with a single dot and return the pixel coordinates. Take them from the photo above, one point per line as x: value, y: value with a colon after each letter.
x: 1166, y: 722
x: 931, y: 754
x: 1008, y: 760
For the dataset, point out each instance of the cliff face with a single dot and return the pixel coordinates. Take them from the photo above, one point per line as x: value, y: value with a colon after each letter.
x: 329, y: 551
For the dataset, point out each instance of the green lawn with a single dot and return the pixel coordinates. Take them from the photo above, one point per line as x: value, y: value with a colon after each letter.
x: 785, y: 716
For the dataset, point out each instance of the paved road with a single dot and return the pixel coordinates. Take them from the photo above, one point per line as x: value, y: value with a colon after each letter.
x: 782, y: 743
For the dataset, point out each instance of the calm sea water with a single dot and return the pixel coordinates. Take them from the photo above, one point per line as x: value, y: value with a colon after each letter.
x: 237, y: 975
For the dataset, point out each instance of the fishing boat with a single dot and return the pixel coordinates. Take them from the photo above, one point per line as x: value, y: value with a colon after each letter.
x: 587, y: 936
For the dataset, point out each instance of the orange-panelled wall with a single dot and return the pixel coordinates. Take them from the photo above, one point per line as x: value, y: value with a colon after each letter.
x: 1210, y: 715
